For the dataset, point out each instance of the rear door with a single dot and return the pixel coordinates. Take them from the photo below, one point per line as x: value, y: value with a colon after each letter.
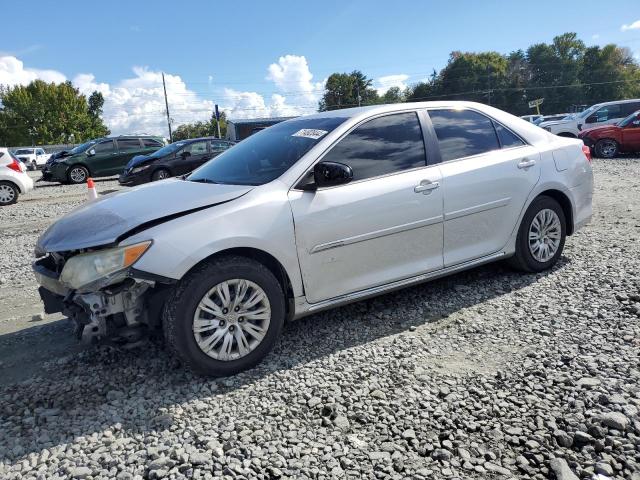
x: 385, y: 225
x: 487, y: 175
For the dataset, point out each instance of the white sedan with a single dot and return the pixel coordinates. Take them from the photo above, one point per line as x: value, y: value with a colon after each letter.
x: 310, y: 214
x: 13, y: 178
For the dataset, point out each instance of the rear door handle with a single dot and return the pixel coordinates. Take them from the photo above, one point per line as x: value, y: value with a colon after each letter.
x: 526, y: 163
x: 426, y: 186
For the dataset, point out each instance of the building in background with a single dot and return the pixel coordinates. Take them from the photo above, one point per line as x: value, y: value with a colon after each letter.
x: 240, y: 129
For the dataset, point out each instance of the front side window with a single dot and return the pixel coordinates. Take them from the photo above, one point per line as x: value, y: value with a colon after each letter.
x: 266, y: 155
x: 219, y: 145
x: 40, y: 152
x: 381, y: 146
x: 196, y: 148
x: 127, y: 144
x: 463, y: 133
x: 103, y: 147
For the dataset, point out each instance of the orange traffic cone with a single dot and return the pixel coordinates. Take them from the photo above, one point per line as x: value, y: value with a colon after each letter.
x: 91, y: 189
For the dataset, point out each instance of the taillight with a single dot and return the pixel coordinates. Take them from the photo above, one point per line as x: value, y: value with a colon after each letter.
x: 587, y: 152
x: 15, y: 165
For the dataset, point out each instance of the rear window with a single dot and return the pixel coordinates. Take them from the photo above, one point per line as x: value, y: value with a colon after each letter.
x: 149, y: 142
x: 128, y: 144
x: 507, y: 138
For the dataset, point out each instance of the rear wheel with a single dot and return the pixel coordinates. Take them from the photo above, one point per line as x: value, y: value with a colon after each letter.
x: 225, y: 316
x: 8, y: 193
x: 541, y: 236
x: 160, y: 174
x: 34, y: 165
x: 78, y: 174
x: 607, y: 148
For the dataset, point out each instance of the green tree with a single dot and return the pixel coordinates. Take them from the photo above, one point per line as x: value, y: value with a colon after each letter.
x: 393, y: 95
x: 43, y: 113
x: 96, y: 103
x: 201, y: 129
x: 342, y: 90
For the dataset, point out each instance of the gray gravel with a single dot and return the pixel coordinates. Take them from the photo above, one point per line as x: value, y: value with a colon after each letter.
x: 487, y: 374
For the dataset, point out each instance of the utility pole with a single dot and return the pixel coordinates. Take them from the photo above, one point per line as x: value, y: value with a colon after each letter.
x: 218, y: 120
x: 489, y: 82
x: 166, y: 103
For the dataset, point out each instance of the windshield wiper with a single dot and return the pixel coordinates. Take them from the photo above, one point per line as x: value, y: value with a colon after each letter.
x: 202, y: 180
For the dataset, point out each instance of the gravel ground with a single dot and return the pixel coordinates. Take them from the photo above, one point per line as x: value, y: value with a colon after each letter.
x: 486, y: 374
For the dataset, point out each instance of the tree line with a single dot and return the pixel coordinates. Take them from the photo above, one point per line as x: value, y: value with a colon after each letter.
x: 42, y: 113
x: 565, y: 72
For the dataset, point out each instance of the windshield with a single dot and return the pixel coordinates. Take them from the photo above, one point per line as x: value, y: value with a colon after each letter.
x: 81, y: 148
x: 23, y: 151
x: 629, y: 119
x: 588, y: 111
x: 266, y: 155
x: 173, y: 147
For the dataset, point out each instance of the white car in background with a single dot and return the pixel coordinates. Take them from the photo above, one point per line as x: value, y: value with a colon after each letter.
x: 596, y: 115
x: 13, y: 178
x: 33, y: 158
x: 310, y: 214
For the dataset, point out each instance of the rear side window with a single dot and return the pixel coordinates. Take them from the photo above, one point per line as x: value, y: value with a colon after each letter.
x: 463, y: 133
x: 507, y: 138
x: 607, y: 113
x: 128, y: 144
x: 149, y: 142
x: 381, y: 146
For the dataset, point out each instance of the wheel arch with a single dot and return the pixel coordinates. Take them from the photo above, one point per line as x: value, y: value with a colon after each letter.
x: 264, y: 258
x: 157, y: 168
x: 565, y: 203
x: 16, y: 186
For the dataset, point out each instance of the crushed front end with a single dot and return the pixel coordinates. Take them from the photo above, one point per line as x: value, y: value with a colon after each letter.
x: 108, y: 300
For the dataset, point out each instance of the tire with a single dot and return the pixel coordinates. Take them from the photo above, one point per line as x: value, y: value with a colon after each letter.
x: 77, y: 174
x: 524, y: 258
x: 8, y: 193
x: 160, y: 174
x: 607, y: 148
x: 34, y: 166
x: 184, y: 303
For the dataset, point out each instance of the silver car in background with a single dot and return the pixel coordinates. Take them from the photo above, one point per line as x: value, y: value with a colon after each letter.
x: 310, y: 214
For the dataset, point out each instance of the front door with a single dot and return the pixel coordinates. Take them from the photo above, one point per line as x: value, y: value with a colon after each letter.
x: 631, y: 135
x: 101, y: 158
x: 487, y: 175
x: 191, y: 156
x: 127, y: 149
x: 385, y: 225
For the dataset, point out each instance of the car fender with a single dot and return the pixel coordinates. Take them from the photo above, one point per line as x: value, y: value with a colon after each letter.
x: 260, y: 220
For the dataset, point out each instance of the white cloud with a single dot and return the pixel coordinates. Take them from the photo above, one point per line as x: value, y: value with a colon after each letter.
x: 13, y: 72
x: 632, y: 26
x: 136, y: 104
x: 388, y: 81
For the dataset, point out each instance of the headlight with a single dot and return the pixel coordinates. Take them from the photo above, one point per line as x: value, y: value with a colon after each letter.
x: 89, y: 267
x: 139, y: 169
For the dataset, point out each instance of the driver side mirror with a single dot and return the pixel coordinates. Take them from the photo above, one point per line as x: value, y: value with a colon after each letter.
x: 591, y: 119
x: 185, y: 154
x: 330, y: 174
x: 91, y: 152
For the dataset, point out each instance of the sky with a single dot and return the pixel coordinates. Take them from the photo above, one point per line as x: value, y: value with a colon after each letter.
x: 258, y: 59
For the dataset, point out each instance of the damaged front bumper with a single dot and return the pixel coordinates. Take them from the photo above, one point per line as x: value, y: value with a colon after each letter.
x: 122, y: 313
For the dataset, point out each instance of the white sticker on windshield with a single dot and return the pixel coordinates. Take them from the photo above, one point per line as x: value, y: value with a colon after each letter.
x: 310, y: 133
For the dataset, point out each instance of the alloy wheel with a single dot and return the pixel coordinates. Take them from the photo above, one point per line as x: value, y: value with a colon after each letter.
x: 78, y: 175
x: 608, y: 148
x: 545, y: 234
x: 7, y: 194
x: 232, y: 319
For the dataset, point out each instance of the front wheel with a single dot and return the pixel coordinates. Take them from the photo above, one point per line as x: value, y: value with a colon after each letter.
x: 8, y: 193
x: 225, y: 316
x: 607, y: 148
x: 541, y: 236
x: 160, y: 174
x: 78, y: 174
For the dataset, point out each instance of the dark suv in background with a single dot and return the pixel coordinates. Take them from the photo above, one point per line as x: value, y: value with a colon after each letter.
x: 101, y: 157
x: 177, y: 158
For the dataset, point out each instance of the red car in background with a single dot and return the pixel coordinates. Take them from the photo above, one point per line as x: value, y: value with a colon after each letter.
x: 608, y: 141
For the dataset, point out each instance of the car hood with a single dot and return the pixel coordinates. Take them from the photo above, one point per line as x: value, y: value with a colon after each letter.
x: 599, y: 131
x: 137, y: 160
x: 109, y: 219
x: 555, y: 122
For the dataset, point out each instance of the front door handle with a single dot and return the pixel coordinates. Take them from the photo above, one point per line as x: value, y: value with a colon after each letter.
x: 526, y: 163
x: 426, y: 186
